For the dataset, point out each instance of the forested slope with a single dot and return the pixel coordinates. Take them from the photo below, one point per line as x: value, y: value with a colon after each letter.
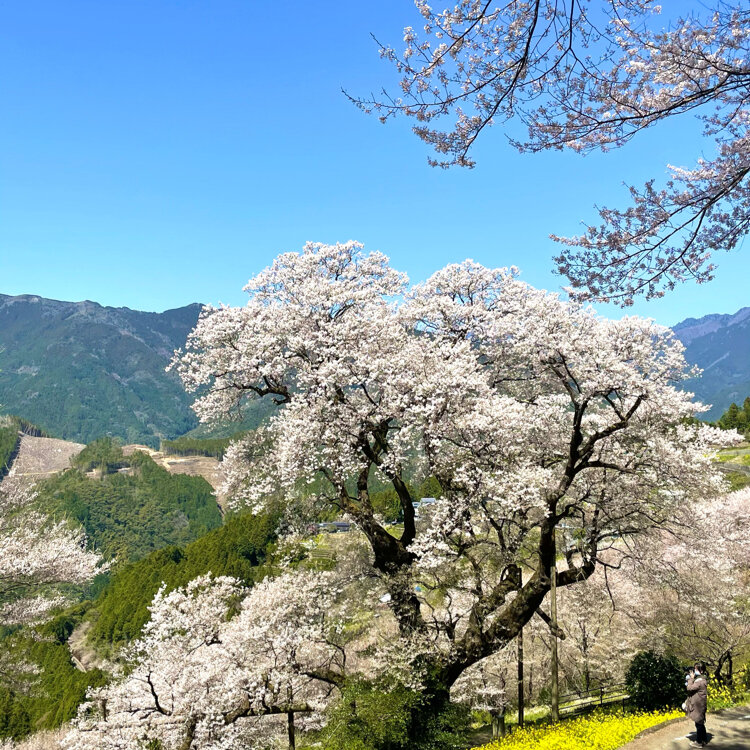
x: 127, y: 515
x: 81, y: 370
x: 158, y: 529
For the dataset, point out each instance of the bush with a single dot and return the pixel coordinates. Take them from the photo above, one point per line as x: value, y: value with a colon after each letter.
x: 371, y: 716
x: 187, y: 446
x: 655, y: 681
x: 724, y: 696
x: 367, y: 718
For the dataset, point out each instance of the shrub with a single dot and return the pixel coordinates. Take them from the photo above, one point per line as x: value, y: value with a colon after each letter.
x: 370, y: 716
x: 724, y: 696
x: 367, y: 718
x: 655, y: 681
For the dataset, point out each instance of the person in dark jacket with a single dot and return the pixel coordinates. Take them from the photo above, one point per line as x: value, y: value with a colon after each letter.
x: 695, y: 705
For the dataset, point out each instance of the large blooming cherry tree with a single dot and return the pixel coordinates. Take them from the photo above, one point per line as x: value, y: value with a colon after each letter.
x: 592, y: 75
x: 532, y: 413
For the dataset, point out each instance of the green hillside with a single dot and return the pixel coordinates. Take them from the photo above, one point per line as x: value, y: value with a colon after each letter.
x: 81, y: 370
x: 236, y: 549
x: 128, y: 515
x: 49, y: 698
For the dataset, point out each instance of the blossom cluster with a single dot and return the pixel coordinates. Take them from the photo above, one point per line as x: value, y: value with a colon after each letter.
x: 217, y: 665
x: 36, y: 553
x: 587, y: 76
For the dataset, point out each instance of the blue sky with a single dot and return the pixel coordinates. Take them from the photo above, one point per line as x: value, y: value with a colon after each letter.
x: 159, y: 152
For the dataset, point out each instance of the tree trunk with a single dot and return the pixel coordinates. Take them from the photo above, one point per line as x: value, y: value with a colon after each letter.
x: 290, y: 729
x: 498, y: 725
x: 730, y: 671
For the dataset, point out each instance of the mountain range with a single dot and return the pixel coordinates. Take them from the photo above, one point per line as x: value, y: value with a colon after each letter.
x: 720, y: 346
x: 80, y: 370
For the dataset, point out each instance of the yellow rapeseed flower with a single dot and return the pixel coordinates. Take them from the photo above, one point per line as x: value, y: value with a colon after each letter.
x: 599, y: 731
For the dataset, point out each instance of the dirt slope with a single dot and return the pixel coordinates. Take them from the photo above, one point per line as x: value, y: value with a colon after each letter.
x: 39, y: 457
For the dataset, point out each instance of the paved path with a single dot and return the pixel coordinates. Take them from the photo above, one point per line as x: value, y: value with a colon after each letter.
x: 727, y: 730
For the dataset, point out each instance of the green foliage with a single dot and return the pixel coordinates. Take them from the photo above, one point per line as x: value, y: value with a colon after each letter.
x: 15, y: 721
x: 386, y: 502
x: 371, y: 716
x: 193, y: 446
x: 129, y: 515
x: 254, y: 412
x: 444, y: 730
x: 50, y: 697
x: 104, y: 454
x: 430, y: 488
x: 236, y: 549
x: 655, y: 681
x: 9, y: 442
x: 736, y: 418
x: 737, y: 481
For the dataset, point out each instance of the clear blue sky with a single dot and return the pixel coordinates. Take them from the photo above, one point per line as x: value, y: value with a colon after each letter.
x: 159, y: 152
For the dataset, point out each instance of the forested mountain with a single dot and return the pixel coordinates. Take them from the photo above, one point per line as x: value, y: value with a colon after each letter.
x: 81, y: 370
x: 720, y: 346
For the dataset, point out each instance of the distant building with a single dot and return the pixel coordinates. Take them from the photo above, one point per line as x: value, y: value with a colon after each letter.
x: 333, y: 527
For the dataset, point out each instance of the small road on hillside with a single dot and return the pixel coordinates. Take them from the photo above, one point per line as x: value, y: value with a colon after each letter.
x: 727, y: 730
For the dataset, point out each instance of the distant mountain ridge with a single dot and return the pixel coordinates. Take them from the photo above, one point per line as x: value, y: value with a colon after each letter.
x: 81, y: 370
x: 720, y: 346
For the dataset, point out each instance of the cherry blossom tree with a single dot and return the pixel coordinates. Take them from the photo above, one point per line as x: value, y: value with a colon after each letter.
x: 601, y: 636
x: 219, y: 667
x: 684, y: 591
x: 36, y: 554
x: 693, y: 589
x: 590, y: 76
x: 486, y: 687
x: 529, y: 411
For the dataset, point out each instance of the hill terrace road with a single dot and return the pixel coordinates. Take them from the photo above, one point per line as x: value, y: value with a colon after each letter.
x: 727, y: 730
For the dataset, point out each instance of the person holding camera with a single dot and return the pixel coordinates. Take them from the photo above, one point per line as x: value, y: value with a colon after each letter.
x: 695, y: 705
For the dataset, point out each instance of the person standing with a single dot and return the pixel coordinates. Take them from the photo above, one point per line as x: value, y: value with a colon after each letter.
x: 695, y: 706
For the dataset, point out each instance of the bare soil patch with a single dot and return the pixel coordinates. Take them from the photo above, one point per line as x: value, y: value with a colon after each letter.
x: 39, y: 457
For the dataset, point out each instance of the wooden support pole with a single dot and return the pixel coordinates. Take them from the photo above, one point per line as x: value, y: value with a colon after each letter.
x: 520, y: 679
x: 555, y: 688
x: 290, y: 721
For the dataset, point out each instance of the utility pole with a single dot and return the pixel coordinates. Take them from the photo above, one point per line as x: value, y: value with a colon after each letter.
x: 520, y: 678
x: 555, y: 698
x: 290, y: 720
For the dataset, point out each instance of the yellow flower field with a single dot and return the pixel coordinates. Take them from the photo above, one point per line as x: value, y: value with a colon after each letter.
x: 605, y: 731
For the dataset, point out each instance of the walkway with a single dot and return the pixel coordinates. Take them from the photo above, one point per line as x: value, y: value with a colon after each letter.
x: 727, y: 730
